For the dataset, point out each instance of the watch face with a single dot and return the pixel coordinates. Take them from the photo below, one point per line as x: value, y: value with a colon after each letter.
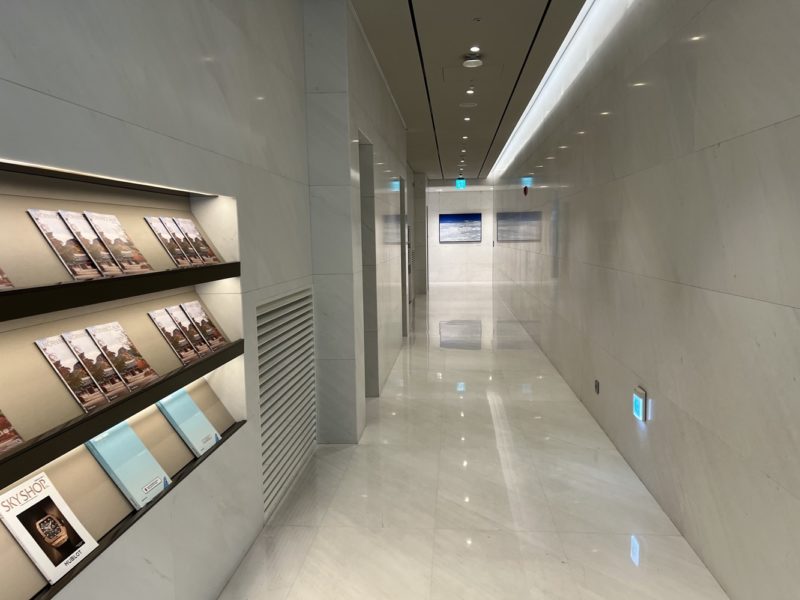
x: 52, y: 531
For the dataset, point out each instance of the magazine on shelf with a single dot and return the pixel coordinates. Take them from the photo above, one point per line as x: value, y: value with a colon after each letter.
x: 110, y: 231
x: 176, y: 339
x: 188, y: 329
x: 189, y: 228
x: 68, y: 249
x: 123, y: 355
x: 182, y: 241
x: 72, y: 373
x: 169, y: 243
x: 210, y: 333
x: 129, y: 464
x: 43, y: 524
x: 94, y: 361
x: 5, y: 282
x: 93, y: 245
x: 189, y: 421
x: 9, y: 438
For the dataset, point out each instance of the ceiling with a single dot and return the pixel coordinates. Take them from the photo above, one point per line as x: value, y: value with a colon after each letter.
x: 420, y: 45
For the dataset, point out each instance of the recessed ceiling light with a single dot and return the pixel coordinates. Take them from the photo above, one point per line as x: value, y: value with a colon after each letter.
x: 470, y: 92
x: 387, y: 171
x: 605, y: 113
x: 563, y: 147
x: 464, y: 137
x: 259, y: 97
x: 461, y: 161
x: 697, y: 38
x: 468, y: 104
x: 466, y: 118
x: 207, y: 59
x: 639, y: 84
x: 580, y: 132
x: 378, y: 163
x: 463, y: 151
x: 540, y: 166
x: 550, y: 158
x: 475, y: 49
x: 355, y: 141
x: 471, y: 63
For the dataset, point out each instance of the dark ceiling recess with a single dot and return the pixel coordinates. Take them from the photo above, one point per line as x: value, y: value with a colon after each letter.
x: 516, y: 83
x: 425, y: 78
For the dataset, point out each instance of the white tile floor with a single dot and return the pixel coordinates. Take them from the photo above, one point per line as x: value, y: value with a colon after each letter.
x: 479, y: 475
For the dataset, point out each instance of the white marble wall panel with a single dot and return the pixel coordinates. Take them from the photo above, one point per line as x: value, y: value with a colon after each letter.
x: 199, y: 95
x: 460, y: 263
x: 668, y: 261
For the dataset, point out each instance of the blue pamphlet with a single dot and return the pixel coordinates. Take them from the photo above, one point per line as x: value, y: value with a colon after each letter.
x: 129, y: 463
x: 189, y: 421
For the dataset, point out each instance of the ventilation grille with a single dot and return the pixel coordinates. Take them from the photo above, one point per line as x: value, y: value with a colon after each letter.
x: 286, y: 381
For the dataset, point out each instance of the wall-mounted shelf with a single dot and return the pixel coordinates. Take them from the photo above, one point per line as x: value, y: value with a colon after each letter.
x: 114, y: 534
x: 37, y: 452
x: 26, y: 302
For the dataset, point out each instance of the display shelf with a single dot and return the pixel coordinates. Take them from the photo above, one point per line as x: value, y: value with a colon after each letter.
x: 37, y: 452
x: 116, y: 532
x: 27, y: 302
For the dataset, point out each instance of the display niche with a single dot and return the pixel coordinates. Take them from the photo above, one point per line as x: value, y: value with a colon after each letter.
x: 120, y: 327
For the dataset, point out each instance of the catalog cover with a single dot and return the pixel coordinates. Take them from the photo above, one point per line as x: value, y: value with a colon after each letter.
x: 189, y: 228
x: 182, y: 241
x: 77, y: 379
x: 43, y: 524
x: 211, y: 334
x: 169, y: 243
x: 96, y: 363
x: 189, y: 421
x: 110, y: 231
x: 126, y: 359
x: 69, y: 251
x: 188, y: 329
x: 176, y: 339
x: 8, y: 435
x: 129, y: 464
x: 94, y: 246
x: 5, y: 282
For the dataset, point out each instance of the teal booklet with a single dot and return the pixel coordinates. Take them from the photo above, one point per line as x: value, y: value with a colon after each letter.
x: 189, y: 421
x: 129, y: 463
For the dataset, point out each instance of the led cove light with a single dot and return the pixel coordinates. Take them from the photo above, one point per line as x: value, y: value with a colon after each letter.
x: 595, y: 23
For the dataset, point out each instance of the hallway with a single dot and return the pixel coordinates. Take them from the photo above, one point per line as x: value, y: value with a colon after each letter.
x: 479, y: 475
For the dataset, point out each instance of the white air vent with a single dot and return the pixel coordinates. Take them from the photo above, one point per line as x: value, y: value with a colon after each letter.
x: 286, y: 380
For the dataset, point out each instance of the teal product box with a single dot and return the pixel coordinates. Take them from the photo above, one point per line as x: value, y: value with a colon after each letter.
x: 129, y: 464
x: 189, y: 421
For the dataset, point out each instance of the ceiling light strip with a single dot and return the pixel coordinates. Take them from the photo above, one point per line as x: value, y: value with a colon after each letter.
x: 593, y: 25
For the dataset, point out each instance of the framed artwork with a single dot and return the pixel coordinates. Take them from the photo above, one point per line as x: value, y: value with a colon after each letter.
x: 459, y: 228
x: 525, y: 226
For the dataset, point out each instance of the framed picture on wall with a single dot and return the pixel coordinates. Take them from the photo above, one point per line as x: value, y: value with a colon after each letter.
x: 459, y: 228
x: 524, y: 226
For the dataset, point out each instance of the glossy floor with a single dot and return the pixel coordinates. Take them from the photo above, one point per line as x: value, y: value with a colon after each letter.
x: 479, y: 475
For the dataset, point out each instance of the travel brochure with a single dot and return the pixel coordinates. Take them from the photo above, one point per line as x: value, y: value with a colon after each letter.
x: 189, y: 421
x: 182, y: 241
x: 188, y: 329
x: 208, y: 330
x: 69, y: 251
x: 87, y: 237
x: 120, y: 350
x: 5, y: 282
x: 79, y: 382
x: 9, y: 438
x: 110, y: 230
x: 176, y: 339
x: 129, y: 463
x: 98, y: 366
x: 199, y: 243
x: 170, y: 245
x: 45, y: 526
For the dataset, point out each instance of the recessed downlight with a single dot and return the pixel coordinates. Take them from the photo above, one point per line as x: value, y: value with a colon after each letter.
x: 549, y: 157
x: 475, y: 48
x: 468, y: 105
x: 581, y: 132
x: 605, y: 113
x: 464, y: 137
x: 467, y: 119
x: 470, y: 91
x: 563, y: 147
x: 471, y: 63
x: 463, y: 150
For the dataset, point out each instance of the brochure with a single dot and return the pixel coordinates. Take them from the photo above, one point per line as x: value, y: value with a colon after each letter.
x: 188, y: 329
x: 69, y: 251
x: 102, y: 371
x: 74, y: 375
x: 110, y: 231
x: 126, y: 359
x: 5, y: 282
x: 210, y: 333
x: 129, y: 464
x: 8, y: 435
x: 189, y: 228
x: 174, y: 336
x: 169, y: 243
x: 95, y: 248
x: 189, y: 421
x: 43, y: 524
x: 182, y: 241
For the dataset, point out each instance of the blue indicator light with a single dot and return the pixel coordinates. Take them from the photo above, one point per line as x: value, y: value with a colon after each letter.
x: 394, y: 186
x: 639, y: 406
x: 634, y: 550
x: 527, y: 181
x: 461, y: 184
x: 461, y: 386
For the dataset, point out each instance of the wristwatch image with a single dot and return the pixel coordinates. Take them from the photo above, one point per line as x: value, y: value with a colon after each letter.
x: 53, y: 532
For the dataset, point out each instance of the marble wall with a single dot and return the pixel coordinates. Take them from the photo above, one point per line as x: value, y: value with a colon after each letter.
x: 349, y: 103
x: 420, y: 234
x: 203, y: 95
x: 460, y: 263
x: 669, y: 260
